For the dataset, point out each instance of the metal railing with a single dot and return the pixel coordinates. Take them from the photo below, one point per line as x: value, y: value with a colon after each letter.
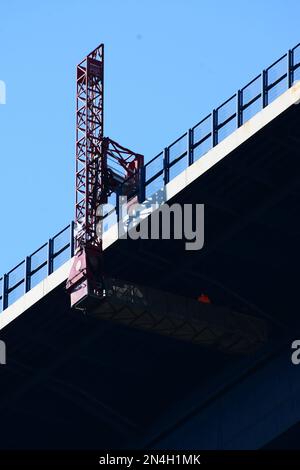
x: 37, y: 266
x: 222, y: 121
x: 161, y: 169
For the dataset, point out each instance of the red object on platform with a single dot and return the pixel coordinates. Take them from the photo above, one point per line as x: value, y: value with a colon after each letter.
x: 204, y: 299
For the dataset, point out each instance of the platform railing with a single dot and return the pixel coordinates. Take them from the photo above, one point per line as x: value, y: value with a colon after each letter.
x: 37, y: 266
x: 166, y: 165
x: 223, y: 120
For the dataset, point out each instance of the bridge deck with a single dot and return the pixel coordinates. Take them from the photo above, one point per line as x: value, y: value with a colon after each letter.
x: 81, y: 382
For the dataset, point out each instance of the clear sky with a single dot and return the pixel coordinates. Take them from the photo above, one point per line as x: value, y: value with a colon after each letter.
x: 167, y: 63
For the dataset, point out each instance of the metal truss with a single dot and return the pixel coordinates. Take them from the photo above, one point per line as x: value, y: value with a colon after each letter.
x: 102, y: 167
x: 89, y: 137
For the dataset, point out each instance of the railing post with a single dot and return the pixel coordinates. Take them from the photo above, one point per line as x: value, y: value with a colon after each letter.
x: 239, y: 108
x: 166, y: 165
x: 5, y: 292
x: 118, y: 195
x: 50, y: 256
x: 290, y: 68
x: 264, y: 91
x: 141, y: 189
x: 27, y: 273
x: 190, y: 149
x: 72, y: 238
x: 214, y: 127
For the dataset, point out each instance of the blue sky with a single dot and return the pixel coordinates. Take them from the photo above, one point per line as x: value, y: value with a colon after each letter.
x: 167, y: 63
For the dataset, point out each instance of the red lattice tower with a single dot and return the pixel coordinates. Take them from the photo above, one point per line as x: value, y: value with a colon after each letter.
x: 102, y: 167
x: 89, y: 141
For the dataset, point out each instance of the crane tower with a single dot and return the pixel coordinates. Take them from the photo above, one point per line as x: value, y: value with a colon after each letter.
x: 102, y: 167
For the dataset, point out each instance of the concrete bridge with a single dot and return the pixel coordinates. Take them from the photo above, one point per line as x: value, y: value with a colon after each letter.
x: 75, y: 381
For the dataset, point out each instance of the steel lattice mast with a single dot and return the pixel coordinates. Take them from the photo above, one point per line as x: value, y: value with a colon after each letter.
x: 102, y: 167
x: 89, y: 139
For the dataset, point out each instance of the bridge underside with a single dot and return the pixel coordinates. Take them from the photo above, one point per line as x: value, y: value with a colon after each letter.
x: 76, y: 381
